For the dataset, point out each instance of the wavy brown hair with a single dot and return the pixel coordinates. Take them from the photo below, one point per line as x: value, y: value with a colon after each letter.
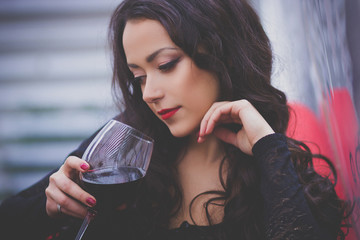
x: 226, y: 38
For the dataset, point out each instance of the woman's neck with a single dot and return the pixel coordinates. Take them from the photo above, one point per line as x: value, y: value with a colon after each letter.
x: 209, y: 152
x: 198, y: 172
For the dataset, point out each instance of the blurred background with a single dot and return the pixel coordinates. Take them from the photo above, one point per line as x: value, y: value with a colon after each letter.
x: 55, y: 77
x: 316, y: 47
x: 316, y: 63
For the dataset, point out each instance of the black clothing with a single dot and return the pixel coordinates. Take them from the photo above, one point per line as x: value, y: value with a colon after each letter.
x: 287, y: 214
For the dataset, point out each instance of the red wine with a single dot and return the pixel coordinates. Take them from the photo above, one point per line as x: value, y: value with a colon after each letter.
x: 112, y: 187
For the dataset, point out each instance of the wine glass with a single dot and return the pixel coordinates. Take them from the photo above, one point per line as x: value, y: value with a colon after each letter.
x: 118, y: 156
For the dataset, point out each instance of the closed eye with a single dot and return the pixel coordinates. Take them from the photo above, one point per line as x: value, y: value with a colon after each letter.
x: 139, y: 79
x: 169, y: 65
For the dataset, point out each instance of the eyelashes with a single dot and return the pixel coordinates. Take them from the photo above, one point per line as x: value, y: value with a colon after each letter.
x: 139, y: 79
x: 163, y: 68
x: 169, y: 65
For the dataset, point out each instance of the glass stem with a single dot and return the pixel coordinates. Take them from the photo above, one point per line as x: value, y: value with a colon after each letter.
x: 89, y: 216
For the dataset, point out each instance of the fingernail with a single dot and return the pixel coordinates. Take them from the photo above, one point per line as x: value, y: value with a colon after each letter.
x: 84, y: 166
x: 91, y: 201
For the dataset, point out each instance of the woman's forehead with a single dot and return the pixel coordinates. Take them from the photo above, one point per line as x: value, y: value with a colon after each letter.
x: 143, y: 37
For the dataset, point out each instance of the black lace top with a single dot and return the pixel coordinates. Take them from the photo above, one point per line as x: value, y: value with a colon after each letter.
x: 287, y: 214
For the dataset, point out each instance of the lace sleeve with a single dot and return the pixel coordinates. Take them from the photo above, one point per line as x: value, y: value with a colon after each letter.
x: 287, y: 213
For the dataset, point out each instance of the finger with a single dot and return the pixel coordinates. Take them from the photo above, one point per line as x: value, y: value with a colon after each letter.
x: 204, y: 122
x: 68, y: 205
x: 214, y: 117
x: 70, y: 188
x: 254, y: 124
x: 50, y: 206
x: 73, y: 165
x: 226, y: 135
x: 223, y: 114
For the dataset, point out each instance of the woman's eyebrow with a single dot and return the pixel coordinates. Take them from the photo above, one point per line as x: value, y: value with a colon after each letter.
x: 152, y: 56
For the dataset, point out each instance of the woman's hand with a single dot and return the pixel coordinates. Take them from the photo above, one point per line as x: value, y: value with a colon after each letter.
x: 64, y: 190
x: 254, y: 126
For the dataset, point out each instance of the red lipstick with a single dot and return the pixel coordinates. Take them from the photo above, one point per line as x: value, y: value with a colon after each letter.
x: 168, y: 112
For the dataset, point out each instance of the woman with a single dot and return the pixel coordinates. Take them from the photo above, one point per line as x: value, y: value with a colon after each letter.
x: 195, y: 76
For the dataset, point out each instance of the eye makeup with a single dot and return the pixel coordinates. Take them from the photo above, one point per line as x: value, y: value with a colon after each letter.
x: 169, y: 65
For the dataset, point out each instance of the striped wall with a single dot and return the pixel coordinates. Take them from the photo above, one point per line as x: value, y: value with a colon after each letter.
x: 55, y: 76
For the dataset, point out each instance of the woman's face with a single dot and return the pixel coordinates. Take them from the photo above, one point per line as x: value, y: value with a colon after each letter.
x: 174, y: 88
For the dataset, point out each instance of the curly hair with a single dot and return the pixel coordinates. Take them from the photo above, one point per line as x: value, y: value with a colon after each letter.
x: 224, y: 37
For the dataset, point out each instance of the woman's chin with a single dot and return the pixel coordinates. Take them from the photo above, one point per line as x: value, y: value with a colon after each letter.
x: 180, y: 133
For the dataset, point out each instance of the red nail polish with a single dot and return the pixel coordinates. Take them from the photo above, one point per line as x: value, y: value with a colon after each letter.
x: 91, y: 201
x: 84, y: 166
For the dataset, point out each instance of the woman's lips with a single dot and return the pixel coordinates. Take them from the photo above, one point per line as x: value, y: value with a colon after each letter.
x: 168, y: 112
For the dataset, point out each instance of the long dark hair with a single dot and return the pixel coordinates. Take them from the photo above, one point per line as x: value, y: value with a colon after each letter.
x: 226, y: 38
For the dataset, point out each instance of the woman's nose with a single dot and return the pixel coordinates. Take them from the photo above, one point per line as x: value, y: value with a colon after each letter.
x: 152, y: 90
